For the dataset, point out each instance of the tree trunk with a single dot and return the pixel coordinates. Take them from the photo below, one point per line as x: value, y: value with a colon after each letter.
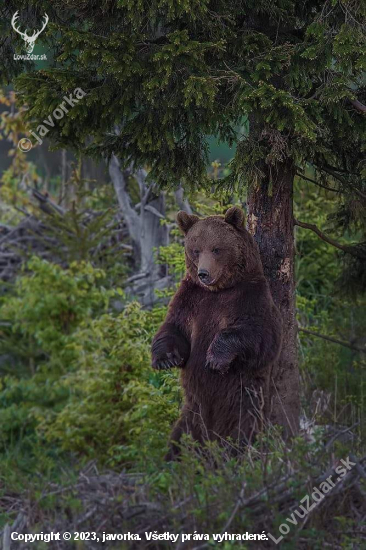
x: 270, y: 221
x: 62, y: 199
x: 146, y: 232
x: 152, y: 235
x: 183, y: 203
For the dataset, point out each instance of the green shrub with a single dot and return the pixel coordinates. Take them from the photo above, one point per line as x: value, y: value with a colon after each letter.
x: 119, y: 409
x: 48, y: 304
x: 39, y: 340
x: 83, y: 379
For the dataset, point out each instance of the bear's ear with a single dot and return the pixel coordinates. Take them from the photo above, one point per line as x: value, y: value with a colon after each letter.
x: 235, y: 216
x: 185, y: 221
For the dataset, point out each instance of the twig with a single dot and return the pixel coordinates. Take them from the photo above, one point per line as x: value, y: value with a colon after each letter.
x: 338, y: 434
x: 235, y: 509
x: 137, y: 277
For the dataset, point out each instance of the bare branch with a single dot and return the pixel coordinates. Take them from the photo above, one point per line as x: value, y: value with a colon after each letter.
x: 349, y: 249
x: 182, y: 203
x: 119, y: 182
x: 154, y: 211
x: 140, y: 176
x: 46, y: 204
x: 358, y: 105
x: 331, y: 339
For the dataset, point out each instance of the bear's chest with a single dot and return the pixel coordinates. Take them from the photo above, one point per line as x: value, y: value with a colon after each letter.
x: 212, y: 312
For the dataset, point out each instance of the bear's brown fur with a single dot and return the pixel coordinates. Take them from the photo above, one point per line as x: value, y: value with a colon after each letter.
x: 222, y: 329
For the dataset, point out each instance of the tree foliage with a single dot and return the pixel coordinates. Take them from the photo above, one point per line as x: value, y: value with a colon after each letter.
x: 167, y: 75
x: 161, y: 77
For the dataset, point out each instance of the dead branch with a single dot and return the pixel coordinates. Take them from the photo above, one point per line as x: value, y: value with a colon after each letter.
x: 358, y: 105
x: 182, y: 203
x: 331, y: 339
x: 349, y: 249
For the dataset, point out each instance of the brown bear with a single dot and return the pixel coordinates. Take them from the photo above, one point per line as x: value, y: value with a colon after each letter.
x: 222, y: 329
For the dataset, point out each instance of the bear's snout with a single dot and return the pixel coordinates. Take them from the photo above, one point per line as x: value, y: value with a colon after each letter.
x: 208, y: 270
x: 204, y: 275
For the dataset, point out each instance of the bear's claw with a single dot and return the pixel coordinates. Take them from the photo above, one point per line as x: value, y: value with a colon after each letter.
x: 172, y: 359
x: 217, y: 367
x: 162, y: 365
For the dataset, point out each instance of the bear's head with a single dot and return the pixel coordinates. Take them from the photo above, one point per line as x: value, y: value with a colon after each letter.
x: 219, y: 251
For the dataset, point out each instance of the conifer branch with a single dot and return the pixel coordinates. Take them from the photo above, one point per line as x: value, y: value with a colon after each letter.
x: 317, y: 183
x: 342, y: 180
x: 349, y: 249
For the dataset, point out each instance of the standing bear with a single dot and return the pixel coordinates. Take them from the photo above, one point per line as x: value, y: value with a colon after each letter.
x: 222, y: 329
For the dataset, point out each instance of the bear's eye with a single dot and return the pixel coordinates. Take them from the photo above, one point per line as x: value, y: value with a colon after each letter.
x: 216, y: 251
x: 195, y: 252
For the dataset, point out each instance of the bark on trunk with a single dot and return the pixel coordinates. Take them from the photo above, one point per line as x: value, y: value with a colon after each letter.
x: 270, y: 221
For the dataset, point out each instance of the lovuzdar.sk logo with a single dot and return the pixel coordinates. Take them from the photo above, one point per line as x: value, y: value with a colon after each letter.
x: 28, y: 39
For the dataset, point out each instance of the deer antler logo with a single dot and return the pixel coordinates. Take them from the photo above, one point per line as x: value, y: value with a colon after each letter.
x: 29, y: 40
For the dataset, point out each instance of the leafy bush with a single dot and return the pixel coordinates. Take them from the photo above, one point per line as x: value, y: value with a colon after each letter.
x: 119, y: 409
x: 39, y: 341
x: 49, y: 303
x: 83, y: 378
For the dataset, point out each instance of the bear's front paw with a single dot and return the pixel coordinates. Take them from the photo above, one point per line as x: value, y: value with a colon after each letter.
x: 167, y: 360
x: 217, y: 364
